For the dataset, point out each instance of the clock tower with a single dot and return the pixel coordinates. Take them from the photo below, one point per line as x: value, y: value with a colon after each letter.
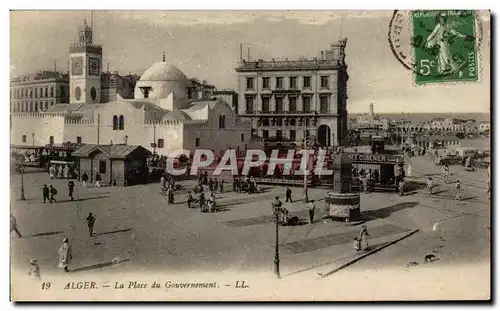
x: 85, y: 61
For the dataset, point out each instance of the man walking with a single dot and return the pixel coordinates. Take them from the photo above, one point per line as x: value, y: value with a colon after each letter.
x: 71, y: 187
x: 190, y: 199
x: 430, y: 185
x: 288, y: 194
x: 90, y: 223
x: 85, y: 178
x: 13, y: 226
x: 53, y: 193
x: 98, y: 180
x: 45, y: 192
x: 458, y: 191
x: 311, y: 207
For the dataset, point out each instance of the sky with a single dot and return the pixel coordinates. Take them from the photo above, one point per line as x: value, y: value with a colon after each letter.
x: 206, y: 46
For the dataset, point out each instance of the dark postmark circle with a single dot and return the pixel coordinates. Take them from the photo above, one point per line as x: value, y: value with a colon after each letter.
x: 437, y: 46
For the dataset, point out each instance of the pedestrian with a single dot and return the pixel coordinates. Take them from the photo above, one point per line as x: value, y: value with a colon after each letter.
x: 13, y: 226
x: 90, y: 223
x: 216, y: 184
x: 65, y: 255
x: 171, y: 195
x: 201, y: 200
x: 276, y: 204
x: 363, y: 238
x: 364, y: 181
x: 211, y: 185
x: 458, y: 191
x: 162, y: 182
x: 98, y: 180
x: 169, y: 190
x: 234, y: 183
x: 34, y: 269
x: 409, y: 170
x: 45, y: 192
x: 53, y: 193
x: 430, y: 185
x: 71, y: 187
x: 311, y: 207
x: 189, y: 199
x: 238, y: 185
x: 446, y: 173
x: 357, y: 245
x: 221, y: 186
x: 401, y: 187
x: 288, y: 194
x: 205, y: 177
x: 85, y: 178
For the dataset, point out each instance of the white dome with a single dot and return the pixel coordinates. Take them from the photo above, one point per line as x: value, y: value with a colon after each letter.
x: 162, y: 71
x: 162, y: 79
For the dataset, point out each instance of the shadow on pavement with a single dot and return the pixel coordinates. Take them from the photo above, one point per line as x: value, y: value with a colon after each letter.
x: 387, y: 211
x: 111, y: 232
x: 85, y: 199
x: 98, y: 266
x: 43, y: 234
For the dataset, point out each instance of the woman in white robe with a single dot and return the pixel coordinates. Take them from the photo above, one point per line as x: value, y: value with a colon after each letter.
x: 65, y: 255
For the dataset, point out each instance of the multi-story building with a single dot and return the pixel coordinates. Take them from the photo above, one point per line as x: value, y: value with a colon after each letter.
x: 39, y: 91
x: 288, y: 101
x: 112, y: 84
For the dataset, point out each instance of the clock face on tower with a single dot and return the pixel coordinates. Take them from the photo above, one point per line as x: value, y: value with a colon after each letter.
x: 76, y: 66
x: 94, y: 66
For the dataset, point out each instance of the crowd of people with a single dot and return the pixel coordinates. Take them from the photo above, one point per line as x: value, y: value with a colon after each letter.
x: 62, y: 171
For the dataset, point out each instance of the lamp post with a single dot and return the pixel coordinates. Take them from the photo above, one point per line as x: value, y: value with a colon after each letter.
x: 33, y: 139
x: 277, y: 252
x: 21, y: 168
x: 306, y: 197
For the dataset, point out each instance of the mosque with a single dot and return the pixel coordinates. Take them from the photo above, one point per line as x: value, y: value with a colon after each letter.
x: 167, y: 111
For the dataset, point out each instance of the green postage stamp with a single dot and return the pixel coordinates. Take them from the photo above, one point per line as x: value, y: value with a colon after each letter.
x: 445, y: 47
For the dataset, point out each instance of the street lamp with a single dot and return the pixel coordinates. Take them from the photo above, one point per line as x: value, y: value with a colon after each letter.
x: 277, y: 252
x: 306, y: 197
x: 21, y: 168
x: 33, y: 139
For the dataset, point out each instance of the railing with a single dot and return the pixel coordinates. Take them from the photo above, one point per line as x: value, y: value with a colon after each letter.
x: 281, y: 112
x: 300, y: 64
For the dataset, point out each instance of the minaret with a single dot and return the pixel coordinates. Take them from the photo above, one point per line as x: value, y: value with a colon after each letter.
x: 371, y: 115
x: 85, y: 68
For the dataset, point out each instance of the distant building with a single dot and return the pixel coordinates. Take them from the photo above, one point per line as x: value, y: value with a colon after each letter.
x: 287, y: 100
x: 39, y: 91
x: 229, y: 96
x: 113, y: 84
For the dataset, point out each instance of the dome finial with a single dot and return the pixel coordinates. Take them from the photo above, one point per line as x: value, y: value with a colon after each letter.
x: 163, y: 56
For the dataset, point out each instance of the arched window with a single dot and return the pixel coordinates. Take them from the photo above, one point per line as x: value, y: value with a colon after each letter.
x: 222, y: 122
x: 122, y: 123
x: 115, y: 123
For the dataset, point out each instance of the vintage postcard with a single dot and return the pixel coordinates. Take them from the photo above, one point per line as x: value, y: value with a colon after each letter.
x: 250, y: 155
